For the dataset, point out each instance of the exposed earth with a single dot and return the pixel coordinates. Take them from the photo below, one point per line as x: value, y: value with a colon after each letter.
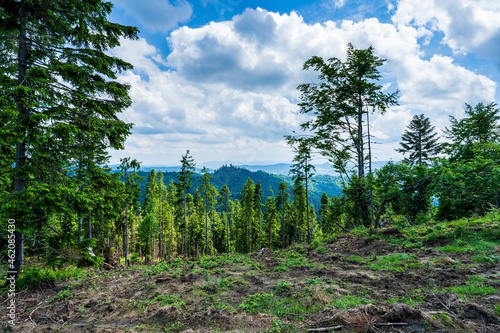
x: 350, y: 285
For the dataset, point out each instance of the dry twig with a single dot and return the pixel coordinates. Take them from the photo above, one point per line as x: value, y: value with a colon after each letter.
x: 325, y: 329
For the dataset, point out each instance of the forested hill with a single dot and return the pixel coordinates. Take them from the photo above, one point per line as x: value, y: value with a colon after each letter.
x: 234, y: 177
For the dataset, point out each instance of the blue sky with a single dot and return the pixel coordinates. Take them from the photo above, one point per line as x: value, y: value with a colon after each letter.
x: 219, y: 77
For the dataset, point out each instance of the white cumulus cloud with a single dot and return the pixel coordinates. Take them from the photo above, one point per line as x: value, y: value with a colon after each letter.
x: 229, y: 92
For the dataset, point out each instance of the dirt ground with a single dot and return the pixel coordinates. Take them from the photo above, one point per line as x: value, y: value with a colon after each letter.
x: 419, y: 297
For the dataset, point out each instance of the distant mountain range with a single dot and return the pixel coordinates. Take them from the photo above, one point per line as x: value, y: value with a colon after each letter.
x: 277, y: 168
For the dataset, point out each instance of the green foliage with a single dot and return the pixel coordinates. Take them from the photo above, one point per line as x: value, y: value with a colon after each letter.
x: 281, y: 268
x: 63, y: 294
x: 173, y: 300
x: 315, y: 244
x: 208, y: 262
x: 295, y: 259
x: 349, y: 302
x: 313, y: 281
x: 396, y: 262
x: 61, y: 98
x: 486, y: 258
x: 419, y: 140
x: 322, y: 249
x: 283, y: 287
x: 260, y: 302
x: 36, y: 277
x: 476, y: 285
x: 338, y: 103
x: 480, y: 126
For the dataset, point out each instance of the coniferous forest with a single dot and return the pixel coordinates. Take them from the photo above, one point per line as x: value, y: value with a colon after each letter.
x: 68, y: 219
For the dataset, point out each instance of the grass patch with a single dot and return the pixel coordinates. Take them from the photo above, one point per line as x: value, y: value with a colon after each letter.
x: 283, y: 287
x: 296, y: 259
x: 396, y: 262
x: 170, y: 300
x: 476, y: 285
x: 281, y: 307
x: 63, y: 294
x: 349, y: 301
x: 356, y: 259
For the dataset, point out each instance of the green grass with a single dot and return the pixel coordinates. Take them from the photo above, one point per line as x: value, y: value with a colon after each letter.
x: 357, y: 259
x: 283, y: 287
x: 297, y: 305
x: 296, y: 259
x: 281, y: 268
x: 476, y: 285
x: 173, y: 300
x: 349, y: 301
x: 218, y: 285
x: 396, y: 262
x: 479, y: 236
x: 313, y: 281
x: 63, y: 294
x: 412, y: 298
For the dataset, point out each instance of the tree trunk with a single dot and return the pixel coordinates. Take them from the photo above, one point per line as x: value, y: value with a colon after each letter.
x: 126, y: 221
x: 90, y: 225
x: 206, y: 228
x: 307, y: 208
x: 22, y: 118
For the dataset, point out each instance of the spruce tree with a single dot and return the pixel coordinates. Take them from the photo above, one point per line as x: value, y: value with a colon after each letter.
x: 419, y: 141
x: 184, y: 183
x: 59, y: 89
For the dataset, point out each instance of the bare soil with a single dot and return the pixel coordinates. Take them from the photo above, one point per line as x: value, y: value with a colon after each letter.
x: 414, y: 299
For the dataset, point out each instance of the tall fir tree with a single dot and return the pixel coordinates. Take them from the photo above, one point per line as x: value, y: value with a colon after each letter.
x: 59, y: 89
x: 420, y: 141
x: 184, y: 183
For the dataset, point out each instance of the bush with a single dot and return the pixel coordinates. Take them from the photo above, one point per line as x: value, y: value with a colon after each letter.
x: 37, y: 277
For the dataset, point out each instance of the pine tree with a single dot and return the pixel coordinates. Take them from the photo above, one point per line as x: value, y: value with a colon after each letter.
x: 205, y: 191
x: 257, y: 202
x: 420, y: 141
x: 183, y: 184
x: 281, y: 207
x: 59, y: 90
x: 302, y: 170
x: 247, y: 212
x: 225, y: 204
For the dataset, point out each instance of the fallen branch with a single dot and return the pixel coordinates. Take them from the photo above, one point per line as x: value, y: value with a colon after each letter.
x: 324, y: 329
x: 447, y: 308
x: 105, y: 264
x: 391, y: 324
x: 341, y: 227
x: 31, y: 313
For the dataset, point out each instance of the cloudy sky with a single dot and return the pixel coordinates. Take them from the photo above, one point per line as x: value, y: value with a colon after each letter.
x: 219, y: 77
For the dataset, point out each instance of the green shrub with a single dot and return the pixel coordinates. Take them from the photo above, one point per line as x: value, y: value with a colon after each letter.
x: 486, y: 259
x: 208, y: 262
x: 281, y: 268
x: 322, y: 249
x: 37, y: 277
x: 283, y: 287
x: 260, y: 302
x: 314, y: 244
